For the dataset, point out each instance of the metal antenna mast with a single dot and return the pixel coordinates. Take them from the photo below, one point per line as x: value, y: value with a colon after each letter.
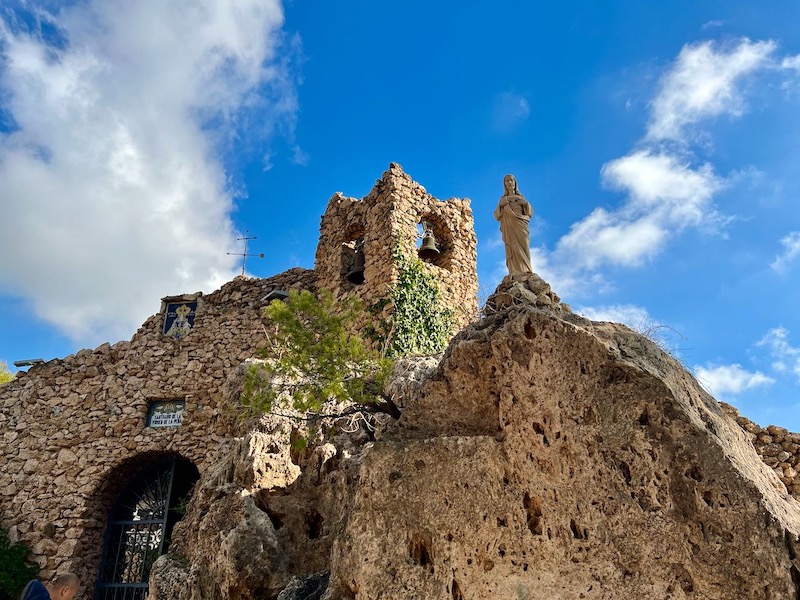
x: 244, y: 254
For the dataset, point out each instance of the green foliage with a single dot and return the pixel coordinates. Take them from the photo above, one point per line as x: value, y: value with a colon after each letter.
x: 420, y: 324
x: 315, y: 357
x: 15, y: 572
x: 182, y: 504
x: 5, y: 374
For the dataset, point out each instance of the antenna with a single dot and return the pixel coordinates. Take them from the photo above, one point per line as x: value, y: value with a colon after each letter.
x: 244, y: 254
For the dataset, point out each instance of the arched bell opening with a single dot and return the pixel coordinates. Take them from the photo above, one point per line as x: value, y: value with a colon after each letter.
x: 353, y: 258
x: 140, y: 525
x: 434, y: 241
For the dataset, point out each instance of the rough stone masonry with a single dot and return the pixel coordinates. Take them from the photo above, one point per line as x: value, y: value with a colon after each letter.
x: 541, y: 456
x: 75, y: 429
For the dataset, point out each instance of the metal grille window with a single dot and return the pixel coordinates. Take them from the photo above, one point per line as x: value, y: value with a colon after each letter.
x: 140, y: 526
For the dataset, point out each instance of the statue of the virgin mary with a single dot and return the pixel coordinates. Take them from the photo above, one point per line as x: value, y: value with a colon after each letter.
x: 514, y: 213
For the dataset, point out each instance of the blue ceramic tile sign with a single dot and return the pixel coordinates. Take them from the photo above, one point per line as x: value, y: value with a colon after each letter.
x: 167, y: 413
x: 179, y: 319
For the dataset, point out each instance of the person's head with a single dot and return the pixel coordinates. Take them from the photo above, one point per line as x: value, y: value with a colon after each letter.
x: 510, y: 184
x: 64, y: 587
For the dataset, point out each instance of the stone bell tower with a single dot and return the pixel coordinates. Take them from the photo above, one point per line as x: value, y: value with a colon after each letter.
x: 389, y: 217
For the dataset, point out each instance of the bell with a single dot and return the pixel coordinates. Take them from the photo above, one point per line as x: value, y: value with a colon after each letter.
x: 428, y: 249
x: 356, y: 274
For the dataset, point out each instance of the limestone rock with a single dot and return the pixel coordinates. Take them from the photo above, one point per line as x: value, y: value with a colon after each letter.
x: 408, y: 375
x: 524, y: 289
x: 553, y: 457
x: 171, y: 578
x: 226, y: 544
x: 256, y: 524
x: 545, y: 456
x: 311, y: 587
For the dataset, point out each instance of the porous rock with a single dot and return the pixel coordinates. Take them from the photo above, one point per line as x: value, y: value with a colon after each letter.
x: 552, y: 457
x: 545, y: 456
x: 311, y: 587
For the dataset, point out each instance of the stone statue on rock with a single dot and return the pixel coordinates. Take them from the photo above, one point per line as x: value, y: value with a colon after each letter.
x: 514, y: 212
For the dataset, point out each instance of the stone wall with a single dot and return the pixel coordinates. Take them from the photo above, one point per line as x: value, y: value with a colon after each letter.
x: 74, y: 429
x: 387, y: 218
x: 778, y: 447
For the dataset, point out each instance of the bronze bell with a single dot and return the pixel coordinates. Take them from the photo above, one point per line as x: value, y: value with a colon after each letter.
x: 356, y: 274
x: 429, y: 249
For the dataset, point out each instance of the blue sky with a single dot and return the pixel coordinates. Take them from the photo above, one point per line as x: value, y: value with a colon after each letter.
x: 659, y: 144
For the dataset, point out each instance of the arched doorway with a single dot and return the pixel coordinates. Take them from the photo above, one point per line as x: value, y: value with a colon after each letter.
x: 140, y: 527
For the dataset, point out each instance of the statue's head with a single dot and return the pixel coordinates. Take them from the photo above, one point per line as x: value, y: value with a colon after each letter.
x: 510, y: 184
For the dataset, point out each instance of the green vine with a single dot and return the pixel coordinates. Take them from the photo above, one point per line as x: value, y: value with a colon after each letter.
x: 420, y: 324
x: 316, y: 357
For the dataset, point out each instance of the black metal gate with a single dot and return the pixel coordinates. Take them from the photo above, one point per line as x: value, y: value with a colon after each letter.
x: 140, y: 526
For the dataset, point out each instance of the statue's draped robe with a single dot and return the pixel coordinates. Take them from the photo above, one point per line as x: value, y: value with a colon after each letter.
x: 514, y: 218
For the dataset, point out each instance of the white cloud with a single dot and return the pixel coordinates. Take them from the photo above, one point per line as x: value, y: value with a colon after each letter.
x: 791, y: 248
x: 711, y: 24
x: 725, y: 380
x: 629, y: 314
x: 664, y: 196
x: 791, y: 62
x: 612, y: 238
x: 666, y: 189
x: 703, y: 84
x: 509, y: 111
x: 785, y: 357
x: 661, y: 182
x: 113, y: 175
x: 299, y: 156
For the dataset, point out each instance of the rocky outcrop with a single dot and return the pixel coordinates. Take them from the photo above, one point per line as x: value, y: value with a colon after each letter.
x: 552, y: 457
x: 545, y: 456
x: 262, y: 523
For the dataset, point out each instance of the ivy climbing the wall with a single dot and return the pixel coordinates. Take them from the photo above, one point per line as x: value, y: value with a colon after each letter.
x: 316, y: 357
x: 420, y: 324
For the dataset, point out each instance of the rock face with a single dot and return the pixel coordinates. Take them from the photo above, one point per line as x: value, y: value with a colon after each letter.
x: 546, y: 456
x: 551, y: 457
x: 259, y: 526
